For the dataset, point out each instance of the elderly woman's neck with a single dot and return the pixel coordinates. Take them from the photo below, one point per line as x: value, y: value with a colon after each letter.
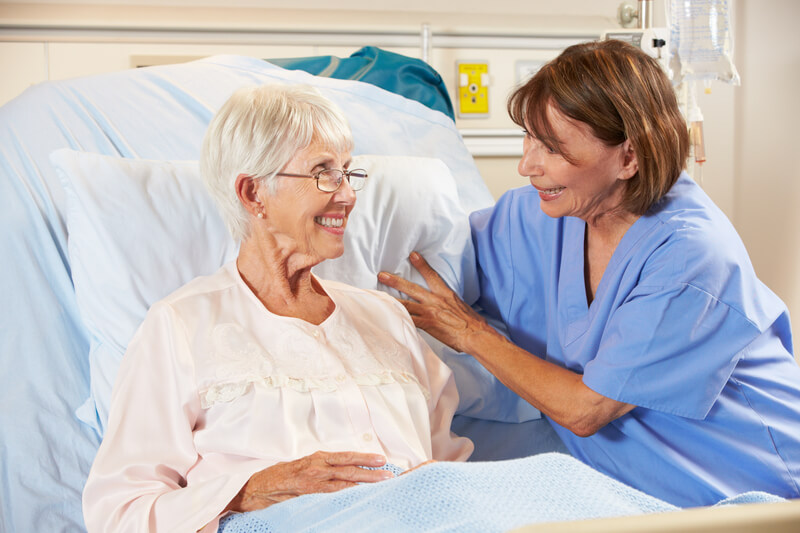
x: 283, y: 282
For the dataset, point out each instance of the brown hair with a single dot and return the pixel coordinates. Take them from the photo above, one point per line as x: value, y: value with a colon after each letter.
x: 620, y: 93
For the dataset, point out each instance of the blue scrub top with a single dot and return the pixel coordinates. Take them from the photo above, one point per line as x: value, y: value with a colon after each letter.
x: 680, y: 326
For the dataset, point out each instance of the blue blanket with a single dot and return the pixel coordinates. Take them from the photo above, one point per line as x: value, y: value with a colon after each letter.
x: 485, y: 497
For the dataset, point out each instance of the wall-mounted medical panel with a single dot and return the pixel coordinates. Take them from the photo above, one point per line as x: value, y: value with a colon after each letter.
x: 472, y: 93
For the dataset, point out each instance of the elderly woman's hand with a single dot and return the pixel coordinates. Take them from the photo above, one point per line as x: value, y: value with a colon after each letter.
x: 439, y: 311
x: 318, y: 472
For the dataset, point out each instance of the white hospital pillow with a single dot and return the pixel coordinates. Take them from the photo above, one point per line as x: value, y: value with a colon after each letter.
x: 139, y: 229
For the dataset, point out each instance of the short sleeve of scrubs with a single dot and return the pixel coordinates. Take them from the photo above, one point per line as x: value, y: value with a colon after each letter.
x: 671, y: 345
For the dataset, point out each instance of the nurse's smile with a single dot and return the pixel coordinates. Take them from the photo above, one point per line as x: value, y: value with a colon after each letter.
x: 548, y: 195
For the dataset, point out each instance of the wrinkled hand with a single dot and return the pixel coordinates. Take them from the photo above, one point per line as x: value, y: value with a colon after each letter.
x: 318, y: 472
x: 439, y: 311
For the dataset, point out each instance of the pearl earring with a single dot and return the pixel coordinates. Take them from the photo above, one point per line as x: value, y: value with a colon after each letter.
x: 261, y: 215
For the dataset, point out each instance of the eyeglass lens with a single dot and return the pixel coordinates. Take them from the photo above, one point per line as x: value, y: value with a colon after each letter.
x: 330, y: 180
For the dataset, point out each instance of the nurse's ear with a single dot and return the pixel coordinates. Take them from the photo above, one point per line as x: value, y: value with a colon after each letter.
x: 247, y: 192
x: 629, y: 164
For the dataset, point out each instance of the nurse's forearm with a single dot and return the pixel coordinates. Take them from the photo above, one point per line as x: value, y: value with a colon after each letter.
x: 557, y: 392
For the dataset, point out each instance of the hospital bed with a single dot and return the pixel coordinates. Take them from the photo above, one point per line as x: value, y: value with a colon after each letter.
x: 103, y: 214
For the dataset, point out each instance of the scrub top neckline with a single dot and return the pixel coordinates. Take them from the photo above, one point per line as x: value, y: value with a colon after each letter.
x: 572, y: 285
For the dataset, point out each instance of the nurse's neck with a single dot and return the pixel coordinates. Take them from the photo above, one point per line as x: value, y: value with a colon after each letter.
x: 603, y: 235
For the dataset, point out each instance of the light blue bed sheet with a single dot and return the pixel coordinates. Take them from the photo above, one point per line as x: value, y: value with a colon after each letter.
x: 482, y: 497
x: 154, y: 113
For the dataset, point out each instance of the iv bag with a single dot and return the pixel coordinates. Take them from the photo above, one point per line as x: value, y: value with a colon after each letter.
x: 701, y: 42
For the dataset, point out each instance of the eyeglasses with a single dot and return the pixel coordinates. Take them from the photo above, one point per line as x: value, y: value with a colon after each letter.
x: 330, y: 179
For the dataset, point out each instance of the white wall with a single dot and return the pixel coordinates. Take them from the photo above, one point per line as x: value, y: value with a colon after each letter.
x: 751, y: 172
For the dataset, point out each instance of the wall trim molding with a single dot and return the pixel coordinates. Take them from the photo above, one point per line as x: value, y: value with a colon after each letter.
x: 493, y: 142
x: 283, y: 36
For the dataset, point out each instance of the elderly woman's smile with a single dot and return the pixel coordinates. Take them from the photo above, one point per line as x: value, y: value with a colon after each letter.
x: 330, y: 222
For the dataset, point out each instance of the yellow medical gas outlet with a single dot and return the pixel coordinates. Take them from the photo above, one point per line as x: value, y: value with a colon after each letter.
x: 473, y: 89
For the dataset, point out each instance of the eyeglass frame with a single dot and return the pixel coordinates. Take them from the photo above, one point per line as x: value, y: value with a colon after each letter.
x: 345, y: 174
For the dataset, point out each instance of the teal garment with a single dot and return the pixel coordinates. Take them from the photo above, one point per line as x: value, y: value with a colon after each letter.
x: 406, y: 76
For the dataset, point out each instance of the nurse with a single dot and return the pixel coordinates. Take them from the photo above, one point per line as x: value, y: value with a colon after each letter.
x: 636, y: 322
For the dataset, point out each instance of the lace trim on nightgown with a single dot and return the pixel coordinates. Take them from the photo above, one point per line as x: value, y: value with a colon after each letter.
x: 227, y: 392
x: 293, y: 361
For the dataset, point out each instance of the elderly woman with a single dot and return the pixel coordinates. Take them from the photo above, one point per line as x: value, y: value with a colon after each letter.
x: 636, y: 322
x: 262, y: 382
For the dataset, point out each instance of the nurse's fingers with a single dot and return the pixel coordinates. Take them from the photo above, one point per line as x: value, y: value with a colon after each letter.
x: 428, y: 317
x: 432, y: 278
x: 435, y: 282
x: 447, y: 324
x: 410, y: 288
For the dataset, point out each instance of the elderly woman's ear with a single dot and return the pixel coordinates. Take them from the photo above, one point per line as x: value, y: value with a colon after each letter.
x: 247, y: 192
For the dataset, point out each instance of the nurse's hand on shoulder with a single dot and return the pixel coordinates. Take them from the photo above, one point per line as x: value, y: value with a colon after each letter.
x: 439, y: 311
x: 318, y: 472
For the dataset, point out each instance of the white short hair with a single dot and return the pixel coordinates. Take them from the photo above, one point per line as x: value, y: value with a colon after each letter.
x: 257, y: 132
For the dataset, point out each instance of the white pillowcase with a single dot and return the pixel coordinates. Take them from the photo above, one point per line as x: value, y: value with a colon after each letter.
x: 139, y: 229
